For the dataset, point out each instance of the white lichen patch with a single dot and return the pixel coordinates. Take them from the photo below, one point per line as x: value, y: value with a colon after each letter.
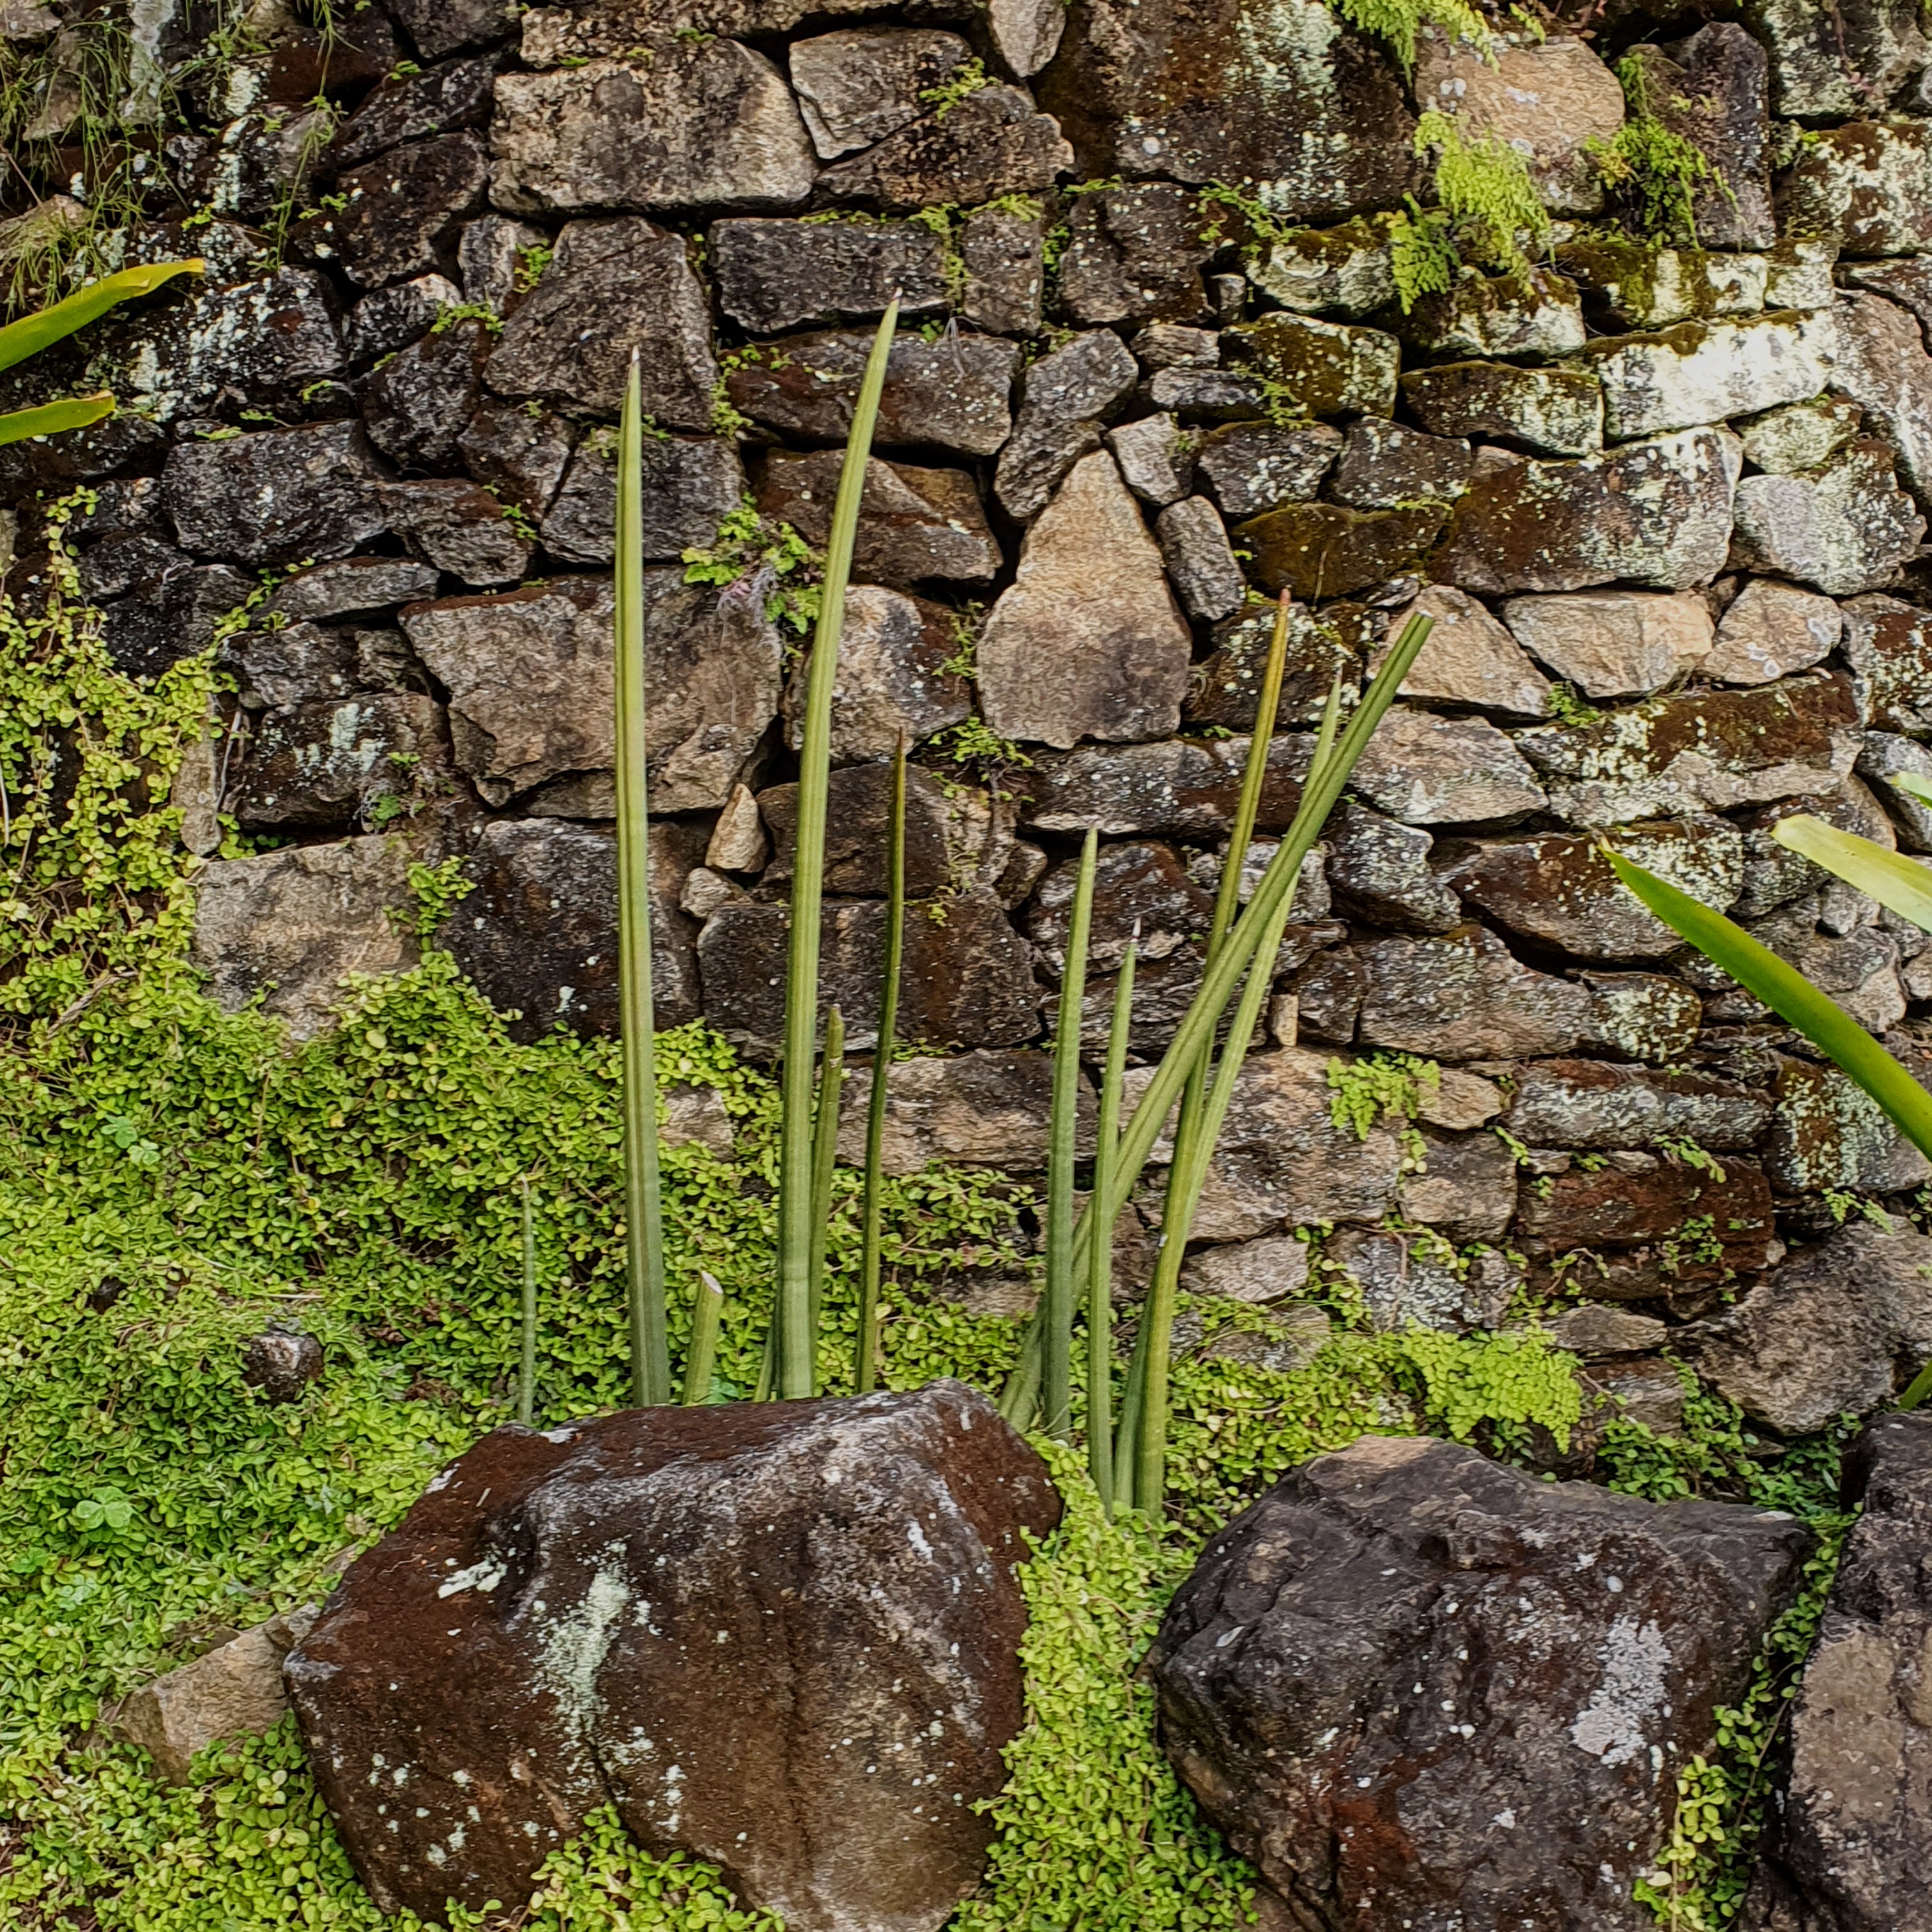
x: 1632, y: 1695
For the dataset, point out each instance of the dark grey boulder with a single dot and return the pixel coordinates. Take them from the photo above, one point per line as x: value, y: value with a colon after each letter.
x: 439, y: 27
x: 458, y: 527
x: 400, y: 212
x: 416, y: 403
x: 991, y: 144
x: 773, y: 276
x: 353, y: 586
x: 171, y: 617
x: 278, y: 496
x: 1136, y: 254
x: 441, y: 101
x: 520, y: 453
x: 357, y: 759
x: 690, y: 484
x: 1067, y: 398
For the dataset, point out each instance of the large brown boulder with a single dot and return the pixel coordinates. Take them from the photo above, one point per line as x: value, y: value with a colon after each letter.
x: 781, y: 1637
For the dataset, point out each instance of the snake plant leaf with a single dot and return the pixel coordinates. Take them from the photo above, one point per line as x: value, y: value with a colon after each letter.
x: 49, y: 418
x: 1790, y: 995
x: 33, y: 333
x: 1890, y: 878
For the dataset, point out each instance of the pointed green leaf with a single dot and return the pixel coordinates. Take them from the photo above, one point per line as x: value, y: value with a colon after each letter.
x: 1890, y: 878
x: 33, y: 333
x: 50, y: 418
x: 1790, y: 995
x: 1912, y: 784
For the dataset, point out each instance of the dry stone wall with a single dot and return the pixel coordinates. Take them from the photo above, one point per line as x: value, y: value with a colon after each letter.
x: 1665, y: 505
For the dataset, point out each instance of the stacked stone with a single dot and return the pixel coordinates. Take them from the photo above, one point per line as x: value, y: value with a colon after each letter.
x: 1665, y: 505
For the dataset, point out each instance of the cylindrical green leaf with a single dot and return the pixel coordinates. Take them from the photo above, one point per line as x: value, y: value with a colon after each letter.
x: 1100, y: 1250
x: 1056, y: 1300
x: 865, y: 1367
x: 824, y: 1166
x: 707, y: 1305
x: 526, y: 1370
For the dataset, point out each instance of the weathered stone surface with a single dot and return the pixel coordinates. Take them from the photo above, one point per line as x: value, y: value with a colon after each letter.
x: 1224, y: 689
x: 991, y: 144
x: 1644, y: 285
x: 520, y: 453
x: 1594, y: 1328
x: 1086, y: 643
x: 776, y: 275
x: 952, y: 836
x: 385, y: 319
x: 703, y: 123
x: 1701, y: 752
x: 983, y: 1108
x: 1520, y: 1787
x: 1383, y: 465
x: 1379, y: 872
x: 1554, y: 412
x: 1867, y: 184
x: 1139, y: 889
x: 459, y: 527
x: 1466, y: 1191
x: 1178, y: 788
x: 1324, y: 368
x: 1427, y: 770
x: 1826, y: 1132
x: 1537, y: 313
x: 1469, y: 658
x: 968, y: 981
x: 529, y: 674
x: 1614, y: 643
x: 915, y: 525
x: 293, y: 924
x: 1066, y: 398
x: 1644, y: 1016
x: 1888, y: 645
x: 950, y: 394
x: 1404, y: 1284
x: 1347, y: 271
x: 1905, y: 280
x: 1657, y: 514
x: 1855, y: 1834
x: 1252, y: 467
x: 1308, y: 114
x: 1702, y: 372
x: 234, y: 1690
x: 1843, y: 527
x: 690, y: 485
x: 412, y: 105
x: 539, y: 934
x: 418, y: 402
x: 277, y: 497
x: 1135, y: 254
x: 402, y: 211
x: 1560, y: 889
x: 355, y: 586
x: 1462, y: 996
x: 1002, y: 260
x: 500, y: 260
x: 1822, y: 66
x: 330, y: 763
x: 1858, y: 968
x: 1768, y: 631
x: 873, y: 1629
x: 1257, y: 1272
x: 1773, y: 873
x: 1884, y: 757
x: 282, y: 1363
x: 1548, y: 101
x: 1882, y: 365
x: 893, y: 656
x: 1156, y: 461
x: 171, y: 617
x: 613, y: 287
x: 1317, y: 550
x: 117, y: 563
x: 439, y: 27
x: 857, y: 86
x: 1200, y: 560
x: 1841, y: 1326
x: 1589, y: 1103
x: 295, y: 664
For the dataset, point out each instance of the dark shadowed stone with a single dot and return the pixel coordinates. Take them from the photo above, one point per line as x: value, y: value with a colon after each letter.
x: 1065, y: 398
x: 1178, y: 788
x: 1462, y: 996
x: 1426, y: 769
x: 1710, y: 91
x: 857, y: 86
x: 439, y: 27
x: 951, y: 393
x: 402, y: 211
x: 1589, y: 1103
x: 281, y: 1363
x: 1841, y: 1326
x: 277, y: 497
x: 690, y: 485
x: 985, y: 1109
x: 1307, y: 115
x: 1552, y: 412
x: 991, y: 144
x: 538, y: 935
x: 1823, y: 64
x: 950, y: 835
x: 171, y: 617
x: 968, y: 980
x: 702, y: 123
x: 355, y: 586
x: 1567, y: 1640
x: 1141, y: 892
x: 1135, y: 254
x: 1087, y: 642
x: 1001, y: 257
x: 614, y: 286
x: 1657, y: 514
x: 1252, y: 467
x: 294, y: 664
x: 459, y: 527
x: 1560, y: 889
x: 1379, y: 872
x: 406, y: 108
x: 1225, y: 687
x: 1200, y: 561
x: 386, y: 319
x: 894, y: 656
x: 288, y: 927
x: 1843, y: 527
x: 915, y: 525
x: 417, y: 402
x: 1318, y: 551
x: 1383, y: 464
x: 881, y: 1533
x: 117, y: 563
x: 520, y: 456
x: 1867, y: 184
x: 1202, y: 394
x: 330, y: 763
x: 776, y: 275
x: 1856, y: 1833
x: 1323, y: 368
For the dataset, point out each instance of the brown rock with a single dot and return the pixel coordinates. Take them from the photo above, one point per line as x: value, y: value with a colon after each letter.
x: 991, y: 144
x: 1469, y: 658
x: 1323, y: 368
x: 333, y: 763
x: 1427, y: 770
x: 1141, y: 892
x: 1843, y: 527
x: 952, y: 836
x: 773, y: 276
x: 459, y: 527
x: 1002, y: 258
x: 689, y: 484
x: 894, y: 656
x: 915, y: 525
x: 869, y: 1519
x: 1865, y: 184
x: 1888, y: 645
x: 1318, y: 551
x: 1174, y: 789
x: 1768, y: 631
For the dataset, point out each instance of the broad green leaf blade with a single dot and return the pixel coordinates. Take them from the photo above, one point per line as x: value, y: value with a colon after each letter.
x: 50, y: 418
x: 1890, y: 878
x: 1912, y: 784
x: 1790, y: 995
x: 33, y: 333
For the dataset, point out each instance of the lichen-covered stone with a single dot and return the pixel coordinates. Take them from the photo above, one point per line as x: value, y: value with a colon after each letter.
x: 1323, y: 368
x: 1065, y: 400
x: 1142, y: 894
x: 1250, y: 468
x: 418, y: 402
x: 1426, y: 769
x: 1823, y: 64
x: 1348, y: 271
x: 984, y: 1109
x: 401, y: 212
x: 1462, y: 996
x: 689, y: 485
x: 277, y: 496
x: 1800, y: 436
x: 1180, y: 788
x: 1768, y: 631
x: 171, y: 617
x: 1134, y: 254
x: 1614, y: 643
x: 409, y: 106
x: 458, y: 527
x: 1884, y: 757
x: 1225, y: 687
x: 1379, y: 872
x: 1882, y: 365
x: 1843, y: 527
x: 916, y: 525
x: 704, y: 123
x: 856, y: 86
x: 1087, y: 642
x: 1657, y: 514
x: 1469, y: 658
x: 1554, y: 412
x: 954, y: 837
x: 1383, y: 465
x: 439, y: 27
x: 1318, y: 551
x: 1156, y: 459
x: 1888, y: 645
x: 1531, y: 313
x: 1589, y: 1103
x: 773, y: 276
x: 1644, y: 285
x: 1702, y: 372
x: 1002, y: 271
x: 1867, y: 184
x: 520, y: 453
x: 990, y: 145
x: 330, y: 763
